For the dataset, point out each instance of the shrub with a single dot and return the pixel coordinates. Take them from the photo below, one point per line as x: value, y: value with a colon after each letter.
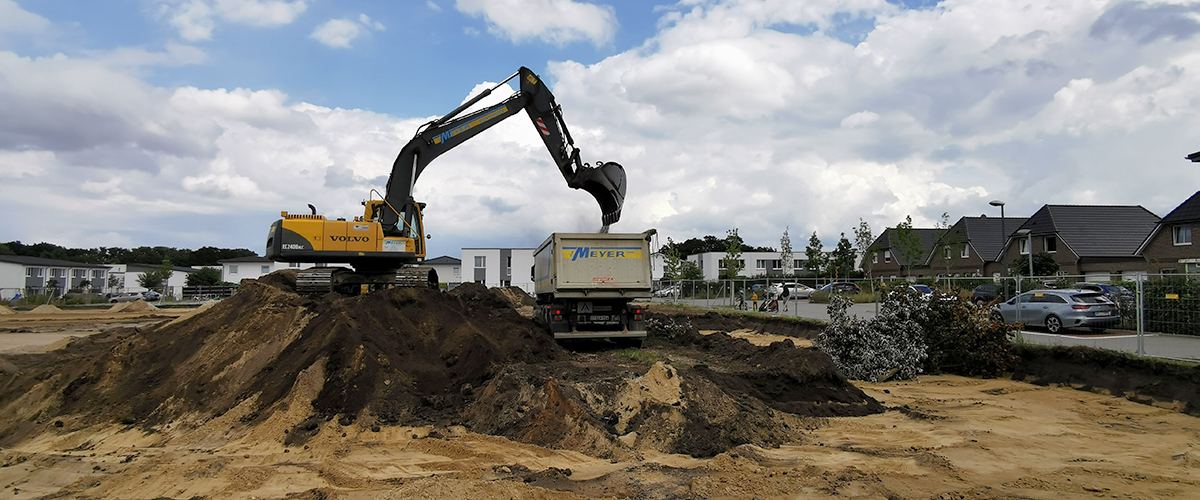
x: 962, y: 339
x: 881, y: 348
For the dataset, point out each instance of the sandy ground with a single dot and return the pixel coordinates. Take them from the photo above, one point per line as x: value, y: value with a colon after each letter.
x: 943, y: 437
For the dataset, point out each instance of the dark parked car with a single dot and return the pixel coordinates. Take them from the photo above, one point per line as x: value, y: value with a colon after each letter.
x: 1058, y: 309
x: 841, y: 287
x: 1110, y: 291
x: 985, y: 293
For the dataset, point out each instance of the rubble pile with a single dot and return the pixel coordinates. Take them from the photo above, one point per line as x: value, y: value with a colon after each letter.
x: 416, y: 357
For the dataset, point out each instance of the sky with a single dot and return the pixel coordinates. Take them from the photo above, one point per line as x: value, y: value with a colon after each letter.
x: 192, y: 123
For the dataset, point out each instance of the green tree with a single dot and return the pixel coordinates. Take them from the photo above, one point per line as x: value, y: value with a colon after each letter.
x: 907, y: 244
x: 864, y: 242
x: 1043, y: 265
x: 951, y: 241
x: 205, y: 276
x: 785, y: 253
x: 688, y: 270
x: 733, y: 255
x: 157, y: 277
x: 841, y: 260
x: 815, y: 254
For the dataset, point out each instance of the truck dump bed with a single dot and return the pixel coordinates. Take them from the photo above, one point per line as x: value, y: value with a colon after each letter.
x: 593, y: 265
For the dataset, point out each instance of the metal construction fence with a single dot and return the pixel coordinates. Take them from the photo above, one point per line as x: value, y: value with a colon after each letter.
x: 1148, y: 303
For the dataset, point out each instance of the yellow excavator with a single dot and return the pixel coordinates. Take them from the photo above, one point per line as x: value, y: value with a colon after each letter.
x: 386, y: 245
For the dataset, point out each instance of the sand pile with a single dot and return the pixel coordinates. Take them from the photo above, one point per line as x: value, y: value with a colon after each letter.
x: 421, y: 357
x: 6, y: 310
x: 133, y: 306
x: 46, y: 309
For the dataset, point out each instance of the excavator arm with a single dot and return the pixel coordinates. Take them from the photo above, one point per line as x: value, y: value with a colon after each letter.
x: 605, y: 182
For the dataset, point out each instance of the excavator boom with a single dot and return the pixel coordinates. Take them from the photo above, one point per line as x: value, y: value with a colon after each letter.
x: 389, y: 238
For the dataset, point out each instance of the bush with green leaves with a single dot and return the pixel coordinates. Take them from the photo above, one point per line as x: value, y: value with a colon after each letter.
x: 962, y: 338
x: 888, y: 346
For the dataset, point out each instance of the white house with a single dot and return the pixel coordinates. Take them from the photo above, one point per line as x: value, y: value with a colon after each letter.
x: 499, y: 267
x: 237, y: 269
x: 449, y: 269
x: 31, y: 275
x: 753, y: 264
x: 126, y: 277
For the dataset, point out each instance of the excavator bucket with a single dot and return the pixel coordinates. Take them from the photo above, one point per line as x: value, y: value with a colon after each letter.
x: 606, y: 183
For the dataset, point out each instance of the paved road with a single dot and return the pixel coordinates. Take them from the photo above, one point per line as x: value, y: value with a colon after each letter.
x: 1180, y: 347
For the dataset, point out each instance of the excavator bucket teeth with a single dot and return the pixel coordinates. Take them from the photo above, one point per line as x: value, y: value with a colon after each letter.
x: 606, y: 183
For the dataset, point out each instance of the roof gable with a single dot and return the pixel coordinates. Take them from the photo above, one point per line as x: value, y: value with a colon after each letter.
x: 443, y: 260
x: 928, y: 238
x: 988, y: 235
x: 1095, y: 230
x: 1187, y: 211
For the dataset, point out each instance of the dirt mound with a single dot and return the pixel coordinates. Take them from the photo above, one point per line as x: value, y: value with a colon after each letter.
x: 268, y: 358
x: 6, y: 310
x: 400, y: 356
x: 713, y: 320
x: 133, y: 306
x: 46, y: 309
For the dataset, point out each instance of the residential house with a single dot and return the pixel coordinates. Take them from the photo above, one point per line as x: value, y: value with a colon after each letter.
x: 752, y: 263
x: 127, y: 278
x: 499, y: 267
x: 888, y: 258
x: 972, y: 246
x: 449, y: 269
x: 1169, y: 247
x: 237, y: 269
x: 31, y: 276
x: 1098, y: 242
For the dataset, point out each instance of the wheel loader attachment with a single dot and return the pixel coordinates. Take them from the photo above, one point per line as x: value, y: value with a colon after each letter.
x: 606, y: 183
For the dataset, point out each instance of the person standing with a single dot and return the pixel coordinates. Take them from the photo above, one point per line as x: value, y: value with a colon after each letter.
x: 784, y: 296
x: 754, y: 299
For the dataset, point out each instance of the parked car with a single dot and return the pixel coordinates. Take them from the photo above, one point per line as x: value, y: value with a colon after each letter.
x: 151, y: 295
x: 667, y: 291
x: 985, y: 293
x: 1109, y: 290
x: 796, y: 290
x: 1058, y: 309
x: 925, y: 291
x: 125, y: 297
x: 841, y: 287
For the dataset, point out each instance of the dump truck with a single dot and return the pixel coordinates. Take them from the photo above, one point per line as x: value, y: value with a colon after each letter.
x: 585, y: 283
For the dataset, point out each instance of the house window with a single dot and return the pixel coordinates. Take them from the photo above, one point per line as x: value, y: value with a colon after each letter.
x: 797, y: 264
x: 1183, y: 235
x: 1051, y: 244
x: 508, y: 266
x: 266, y: 269
x: 946, y: 253
x: 760, y: 264
x: 966, y: 252
x: 1023, y: 246
x: 887, y: 255
x: 776, y: 264
x: 233, y: 269
x: 874, y: 258
x: 33, y: 272
x: 78, y: 273
x: 456, y: 272
x: 480, y: 261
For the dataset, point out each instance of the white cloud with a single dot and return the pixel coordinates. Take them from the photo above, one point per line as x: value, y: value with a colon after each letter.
x: 340, y: 33
x: 15, y: 20
x: 557, y: 22
x: 756, y: 115
x: 196, y: 19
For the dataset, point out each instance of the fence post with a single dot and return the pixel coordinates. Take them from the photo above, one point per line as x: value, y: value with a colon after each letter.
x: 1141, y: 316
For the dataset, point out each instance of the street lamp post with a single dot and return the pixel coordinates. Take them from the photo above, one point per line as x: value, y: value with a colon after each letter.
x: 1003, y: 233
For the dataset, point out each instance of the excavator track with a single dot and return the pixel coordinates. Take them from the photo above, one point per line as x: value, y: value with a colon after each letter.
x: 322, y: 280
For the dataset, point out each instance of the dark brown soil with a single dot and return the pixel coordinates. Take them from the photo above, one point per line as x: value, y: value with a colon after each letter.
x: 725, y: 322
x: 424, y: 357
x: 1145, y: 380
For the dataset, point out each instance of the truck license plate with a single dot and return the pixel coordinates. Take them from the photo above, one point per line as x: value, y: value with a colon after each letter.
x: 600, y: 317
x: 1103, y: 313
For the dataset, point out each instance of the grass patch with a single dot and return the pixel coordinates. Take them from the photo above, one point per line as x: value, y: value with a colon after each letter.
x: 858, y: 298
x: 639, y: 355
